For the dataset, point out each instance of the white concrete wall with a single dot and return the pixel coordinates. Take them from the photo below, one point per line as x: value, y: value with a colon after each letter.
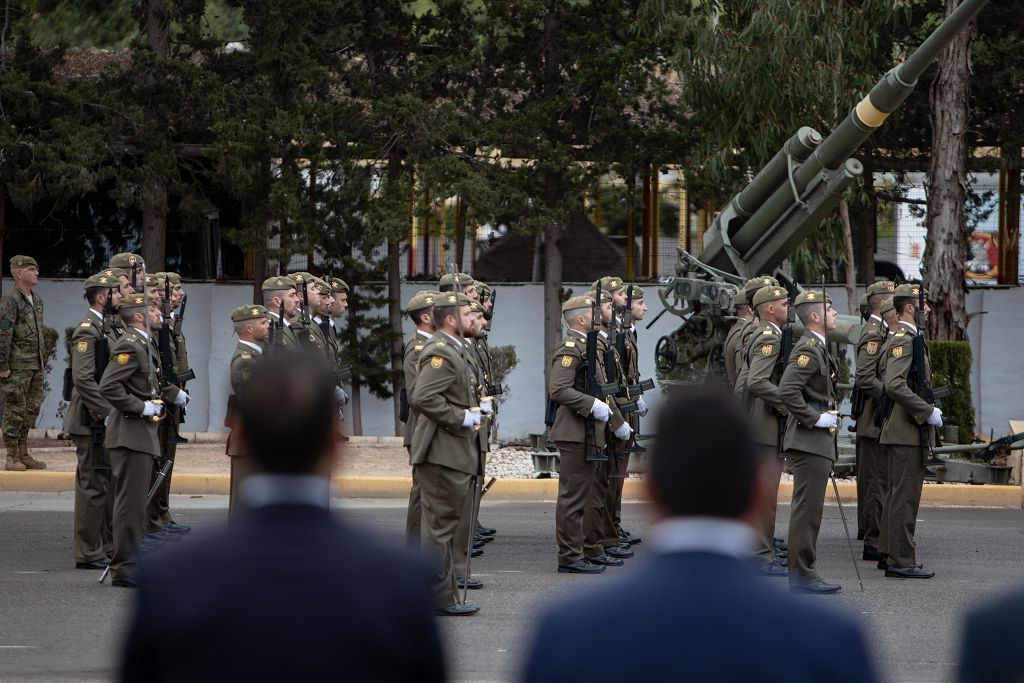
x: 997, y: 375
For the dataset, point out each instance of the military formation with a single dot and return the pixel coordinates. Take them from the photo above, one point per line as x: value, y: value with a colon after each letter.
x: 790, y: 388
x: 595, y: 404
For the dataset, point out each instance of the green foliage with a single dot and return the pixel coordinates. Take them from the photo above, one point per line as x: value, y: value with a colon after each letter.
x: 951, y: 366
x: 50, y: 339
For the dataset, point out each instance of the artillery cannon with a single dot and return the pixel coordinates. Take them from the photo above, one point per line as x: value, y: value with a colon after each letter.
x: 787, y: 200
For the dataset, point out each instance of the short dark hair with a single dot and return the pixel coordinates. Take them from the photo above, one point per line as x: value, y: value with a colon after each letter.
x: 442, y: 312
x: 704, y: 461
x: 288, y: 412
x: 93, y: 292
x: 899, y: 303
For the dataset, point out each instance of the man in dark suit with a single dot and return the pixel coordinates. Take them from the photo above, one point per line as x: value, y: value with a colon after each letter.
x: 286, y: 592
x: 699, y: 610
x: 987, y: 651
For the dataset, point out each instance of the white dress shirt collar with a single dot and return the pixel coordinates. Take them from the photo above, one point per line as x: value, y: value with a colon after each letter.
x: 717, y: 535
x: 256, y: 347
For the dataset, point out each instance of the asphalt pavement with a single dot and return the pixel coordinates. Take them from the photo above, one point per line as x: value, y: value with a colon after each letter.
x: 56, y: 623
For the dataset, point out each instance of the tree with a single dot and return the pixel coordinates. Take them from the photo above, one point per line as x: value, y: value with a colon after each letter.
x: 946, y: 246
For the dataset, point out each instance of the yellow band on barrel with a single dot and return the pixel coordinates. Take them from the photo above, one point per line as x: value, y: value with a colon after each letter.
x: 869, y: 114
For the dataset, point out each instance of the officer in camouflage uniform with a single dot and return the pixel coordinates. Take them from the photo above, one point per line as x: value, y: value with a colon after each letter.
x: 871, y: 463
x: 21, y: 362
x: 84, y: 422
x: 420, y: 310
x: 807, y: 385
x: 251, y: 324
x: 132, y: 439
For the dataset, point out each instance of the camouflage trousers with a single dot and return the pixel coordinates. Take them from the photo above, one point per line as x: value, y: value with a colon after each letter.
x: 23, y: 396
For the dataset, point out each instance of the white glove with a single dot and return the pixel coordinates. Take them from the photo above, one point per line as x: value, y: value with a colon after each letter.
x: 935, y: 419
x: 600, y: 410
x: 487, y: 407
x: 150, y: 409
x: 472, y: 418
x: 181, y: 399
x: 827, y: 421
x: 623, y: 432
x: 340, y: 396
x: 641, y: 407
x: 105, y: 420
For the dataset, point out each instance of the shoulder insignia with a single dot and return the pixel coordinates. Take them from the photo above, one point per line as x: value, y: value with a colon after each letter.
x: 872, y: 348
x: 901, y: 333
x: 766, y: 331
x: 82, y: 346
x: 312, y: 338
x: 86, y: 325
x: 566, y: 361
x: 803, y: 360
x: 436, y: 362
x: 897, y: 351
x: 766, y: 349
x: 418, y: 347
x: 571, y: 343
x: 246, y: 356
x: 122, y: 358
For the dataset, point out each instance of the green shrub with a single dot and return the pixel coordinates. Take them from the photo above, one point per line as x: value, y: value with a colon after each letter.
x: 951, y: 366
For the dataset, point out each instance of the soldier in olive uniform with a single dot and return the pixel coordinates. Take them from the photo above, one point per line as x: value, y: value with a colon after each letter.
x: 578, y: 431
x: 806, y: 389
x: 131, y: 387
x: 619, y: 434
x: 279, y: 295
x: 732, y: 340
x: 871, y: 463
x: 21, y: 362
x: 132, y: 266
x: 746, y: 332
x: 83, y: 421
x: 445, y: 447
x: 907, y: 434
x: 632, y: 368
x: 888, y: 313
x: 310, y: 336
x: 420, y: 310
x: 764, y: 362
x: 251, y: 324
x: 168, y: 285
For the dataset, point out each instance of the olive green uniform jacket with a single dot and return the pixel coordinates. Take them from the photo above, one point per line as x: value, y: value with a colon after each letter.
x: 806, y: 387
x: 868, y: 379
x: 242, y: 362
x: 126, y: 386
x: 21, y: 331
x: 410, y: 367
x: 568, y: 382
x: 87, y: 336
x: 904, y: 425
x: 286, y: 336
x: 763, y: 376
x: 745, y: 335
x: 443, y: 393
x: 733, y: 350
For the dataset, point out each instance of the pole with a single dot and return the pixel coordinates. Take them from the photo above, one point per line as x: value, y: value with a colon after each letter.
x: 835, y: 438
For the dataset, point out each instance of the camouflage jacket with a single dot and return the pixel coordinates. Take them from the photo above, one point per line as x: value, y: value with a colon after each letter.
x: 21, y: 331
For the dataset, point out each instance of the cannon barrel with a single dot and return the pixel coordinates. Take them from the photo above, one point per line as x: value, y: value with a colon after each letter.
x: 1010, y: 442
x: 784, y: 202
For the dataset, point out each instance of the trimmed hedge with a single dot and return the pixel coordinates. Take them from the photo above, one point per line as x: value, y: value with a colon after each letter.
x: 951, y: 366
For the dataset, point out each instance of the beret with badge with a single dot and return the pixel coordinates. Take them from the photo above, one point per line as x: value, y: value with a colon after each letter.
x: 609, y: 283
x: 908, y: 290
x: 21, y: 261
x: 338, y: 285
x: 638, y: 293
x: 422, y: 300
x: 766, y: 294
x: 277, y: 283
x: 887, y: 306
x: 881, y: 287
x: 756, y: 283
x: 811, y: 296
x: 250, y: 312
x: 134, y: 301
x: 452, y: 279
x: 127, y: 260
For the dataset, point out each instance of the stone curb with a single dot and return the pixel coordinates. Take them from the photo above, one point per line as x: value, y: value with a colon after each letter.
x: 962, y: 495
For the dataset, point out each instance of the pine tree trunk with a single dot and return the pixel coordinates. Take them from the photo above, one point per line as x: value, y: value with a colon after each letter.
x: 154, y: 227
x: 946, y: 248
x: 552, y: 292
x: 395, y: 320
x: 851, y: 269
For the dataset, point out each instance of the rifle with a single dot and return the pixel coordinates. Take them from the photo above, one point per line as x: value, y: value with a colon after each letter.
x: 918, y: 380
x: 592, y: 387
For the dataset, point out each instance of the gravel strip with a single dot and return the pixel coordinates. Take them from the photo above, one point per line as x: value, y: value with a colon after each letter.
x: 513, y: 462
